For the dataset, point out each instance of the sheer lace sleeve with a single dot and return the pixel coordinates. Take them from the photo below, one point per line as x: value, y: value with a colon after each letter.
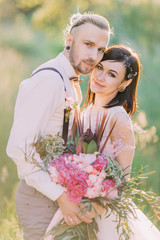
x: 122, y: 138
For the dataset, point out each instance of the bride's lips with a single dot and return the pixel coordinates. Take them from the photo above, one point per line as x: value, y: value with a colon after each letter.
x: 98, y: 84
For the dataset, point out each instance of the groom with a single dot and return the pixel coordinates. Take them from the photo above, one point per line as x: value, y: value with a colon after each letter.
x: 40, y: 110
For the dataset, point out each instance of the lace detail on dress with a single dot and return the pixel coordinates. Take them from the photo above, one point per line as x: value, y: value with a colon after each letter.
x: 115, y: 148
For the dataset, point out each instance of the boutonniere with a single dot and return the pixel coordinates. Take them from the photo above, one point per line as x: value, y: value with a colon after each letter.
x: 70, y: 104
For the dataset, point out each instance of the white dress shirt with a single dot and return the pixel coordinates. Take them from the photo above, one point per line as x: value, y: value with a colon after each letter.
x: 40, y: 110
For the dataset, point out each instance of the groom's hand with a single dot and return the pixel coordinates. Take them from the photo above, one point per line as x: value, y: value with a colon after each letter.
x: 71, y: 211
x: 96, y: 210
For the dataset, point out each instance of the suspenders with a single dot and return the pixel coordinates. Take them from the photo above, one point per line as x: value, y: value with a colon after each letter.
x: 65, y: 124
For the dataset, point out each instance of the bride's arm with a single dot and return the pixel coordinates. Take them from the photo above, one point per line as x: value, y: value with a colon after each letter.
x: 123, y: 137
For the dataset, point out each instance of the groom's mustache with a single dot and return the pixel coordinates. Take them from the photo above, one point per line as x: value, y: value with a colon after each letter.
x: 92, y: 63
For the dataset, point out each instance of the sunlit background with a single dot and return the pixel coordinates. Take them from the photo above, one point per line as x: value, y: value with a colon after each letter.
x: 32, y: 32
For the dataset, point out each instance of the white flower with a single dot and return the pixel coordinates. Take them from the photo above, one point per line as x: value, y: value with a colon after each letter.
x: 88, y: 158
x: 53, y: 174
x: 92, y: 178
x: 102, y: 175
x: 88, y: 168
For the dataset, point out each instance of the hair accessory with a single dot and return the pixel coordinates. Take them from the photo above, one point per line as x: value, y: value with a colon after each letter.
x: 127, y: 63
x: 68, y: 47
x: 131, y: 75
x: 128, y: 67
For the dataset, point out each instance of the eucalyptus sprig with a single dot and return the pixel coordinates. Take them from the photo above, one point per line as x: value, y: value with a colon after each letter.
x: 48, y: 147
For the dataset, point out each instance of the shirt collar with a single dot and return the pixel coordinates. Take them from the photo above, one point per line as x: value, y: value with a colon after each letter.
x: 65, y: 63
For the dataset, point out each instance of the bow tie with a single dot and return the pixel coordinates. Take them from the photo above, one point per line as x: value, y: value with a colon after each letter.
x: 75, y: 79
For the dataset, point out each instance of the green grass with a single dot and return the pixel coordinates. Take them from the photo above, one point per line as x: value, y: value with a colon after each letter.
x: 9, y: 227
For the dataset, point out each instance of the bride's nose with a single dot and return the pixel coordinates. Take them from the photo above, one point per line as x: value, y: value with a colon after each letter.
x: 100, y: 77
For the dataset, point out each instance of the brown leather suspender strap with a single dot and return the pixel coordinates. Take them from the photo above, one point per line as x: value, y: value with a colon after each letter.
x: 65, y: 124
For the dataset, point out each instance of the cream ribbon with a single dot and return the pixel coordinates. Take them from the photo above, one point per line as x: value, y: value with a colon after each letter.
x: 56, y: 218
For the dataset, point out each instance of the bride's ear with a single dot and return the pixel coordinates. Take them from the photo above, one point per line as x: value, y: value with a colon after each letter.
x: 124, y: 84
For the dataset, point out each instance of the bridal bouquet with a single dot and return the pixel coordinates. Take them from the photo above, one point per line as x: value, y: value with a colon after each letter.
x: 88, y: 176
x: 83, y: 180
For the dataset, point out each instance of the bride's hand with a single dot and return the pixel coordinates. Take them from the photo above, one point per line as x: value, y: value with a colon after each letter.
x: 71, y: 211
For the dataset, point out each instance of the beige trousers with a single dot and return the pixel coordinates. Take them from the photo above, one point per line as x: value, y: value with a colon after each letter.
x: 34, y: 211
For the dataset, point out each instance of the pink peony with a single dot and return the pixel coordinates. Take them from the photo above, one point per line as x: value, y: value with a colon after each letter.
x: 110, y: 189
x: 76, y: 188
x: 74, y: 170
x: 58, y: 162
x: 63, y: 176
x: 100, y: 163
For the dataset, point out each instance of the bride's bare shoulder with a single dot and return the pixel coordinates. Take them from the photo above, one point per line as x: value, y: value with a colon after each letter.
x: 120, y: 116
x: 117, y: 112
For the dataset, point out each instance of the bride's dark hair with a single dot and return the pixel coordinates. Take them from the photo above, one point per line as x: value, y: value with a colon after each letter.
x: 127, y: 98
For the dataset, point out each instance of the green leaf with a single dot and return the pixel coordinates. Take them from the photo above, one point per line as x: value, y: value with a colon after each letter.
x: 84, y: 147
x: 68, y: 237
x: 71, y: 148
x: 92, y: 147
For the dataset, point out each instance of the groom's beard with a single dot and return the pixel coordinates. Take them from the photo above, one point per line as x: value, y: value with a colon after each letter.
x: 84, y: 66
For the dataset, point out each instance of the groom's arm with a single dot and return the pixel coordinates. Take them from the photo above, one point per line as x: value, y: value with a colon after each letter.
x: 37, y: 99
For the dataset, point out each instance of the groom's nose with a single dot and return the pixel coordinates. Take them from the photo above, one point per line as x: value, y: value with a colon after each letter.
x: 93, y: 55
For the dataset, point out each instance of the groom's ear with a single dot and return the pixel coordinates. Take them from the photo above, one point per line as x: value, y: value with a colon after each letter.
x: 69, y: 39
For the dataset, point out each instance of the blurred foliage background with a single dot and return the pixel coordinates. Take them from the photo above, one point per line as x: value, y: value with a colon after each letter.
x: 32, y: 32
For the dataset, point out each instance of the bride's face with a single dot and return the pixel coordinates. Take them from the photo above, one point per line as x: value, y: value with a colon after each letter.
x: 107, y: 77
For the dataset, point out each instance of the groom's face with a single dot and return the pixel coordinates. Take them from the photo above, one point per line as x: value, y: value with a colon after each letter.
x: 88, y: 43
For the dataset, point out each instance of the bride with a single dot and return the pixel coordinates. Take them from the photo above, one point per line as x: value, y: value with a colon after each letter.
x: 112, y: 90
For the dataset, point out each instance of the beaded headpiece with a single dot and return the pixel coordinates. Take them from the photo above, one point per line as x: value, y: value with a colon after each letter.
x: 131, y: 74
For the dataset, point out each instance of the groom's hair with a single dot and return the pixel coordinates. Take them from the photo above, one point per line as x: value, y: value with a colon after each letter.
x: 79, y: 19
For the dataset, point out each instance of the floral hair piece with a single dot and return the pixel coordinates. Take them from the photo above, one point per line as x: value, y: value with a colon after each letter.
x: 131, y: 75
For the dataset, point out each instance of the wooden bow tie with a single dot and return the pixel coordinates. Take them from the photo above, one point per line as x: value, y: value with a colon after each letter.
x: 75, y: 79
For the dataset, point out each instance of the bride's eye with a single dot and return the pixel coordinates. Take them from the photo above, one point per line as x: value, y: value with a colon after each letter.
x: 99, y: 67
x: 112, y: 75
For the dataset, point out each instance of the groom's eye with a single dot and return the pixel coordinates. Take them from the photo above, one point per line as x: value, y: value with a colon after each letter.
x: 88, y: 44
x: 101, y: 50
